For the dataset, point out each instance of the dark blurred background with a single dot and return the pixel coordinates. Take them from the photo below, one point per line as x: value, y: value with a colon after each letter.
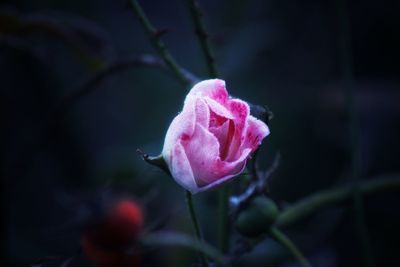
x: 296, y: 57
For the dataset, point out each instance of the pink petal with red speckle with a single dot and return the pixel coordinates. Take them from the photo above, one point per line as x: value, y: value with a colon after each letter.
x: 215, y: 89
x: 240, y: 110
x: 224, y: 134
x: 256, y: 131
x: 228, y: 170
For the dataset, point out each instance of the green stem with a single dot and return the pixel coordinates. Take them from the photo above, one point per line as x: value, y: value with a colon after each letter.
x: 155, y: 39
x: 321, y: 200
x: 193, y: 217
x: 289, y: 245
x: 223, y: 219
x: 203, y: 37
x: 354, y: 130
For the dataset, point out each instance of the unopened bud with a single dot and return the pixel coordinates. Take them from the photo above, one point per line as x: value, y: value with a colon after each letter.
x: 257, y: 217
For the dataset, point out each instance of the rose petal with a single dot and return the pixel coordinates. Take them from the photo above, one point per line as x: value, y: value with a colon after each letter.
x: 228, y: 170
x: 183, y: 125
x: 218, y: 108
x: 240, y: 111
x: 220, y: 132
x: 214, y: 88
x: 202, y: 112
x: 180, y: 168
x: 203, y: 152
x: 224, y: 134
x: 256, y: 131
x: 216, y: 120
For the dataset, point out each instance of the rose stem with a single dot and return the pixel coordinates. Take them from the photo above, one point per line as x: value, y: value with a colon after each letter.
x: 346, y: 63
x: 223, y: 223
x: 323, y: 199
x: 223, y: 198
x: 282, y: 239
x: 154, y: 36
x: 202, y: 35
x: 196, y: 226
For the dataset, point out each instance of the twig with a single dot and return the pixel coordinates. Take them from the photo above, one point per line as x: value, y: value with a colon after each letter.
x: 155, y: 39
x: 203, y: 37
x: 196, y: 226
x: 256, y: 187
x: 311, y: 204
x: 282, y: 239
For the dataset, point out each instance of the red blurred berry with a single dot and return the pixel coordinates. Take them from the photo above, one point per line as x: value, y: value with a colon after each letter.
x: 111, y: 241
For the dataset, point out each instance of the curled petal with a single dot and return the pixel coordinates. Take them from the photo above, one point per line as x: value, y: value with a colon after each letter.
x: 222, y: 134
x: 214, y: 89
x: 228, y: 170
x: 240, y: 111
x: 256, y: 131
x: 218, y: 108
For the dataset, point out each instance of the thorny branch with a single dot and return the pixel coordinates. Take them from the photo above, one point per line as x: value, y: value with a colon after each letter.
x: 203, y: 37
x: 155, y: 38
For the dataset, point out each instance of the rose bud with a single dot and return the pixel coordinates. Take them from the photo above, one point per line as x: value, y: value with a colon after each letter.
x: 209, y: 142
x: 110, y: 241
x: 256, y: 218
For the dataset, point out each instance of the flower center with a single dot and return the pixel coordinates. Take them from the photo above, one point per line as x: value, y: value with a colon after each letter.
x: 224, y: 130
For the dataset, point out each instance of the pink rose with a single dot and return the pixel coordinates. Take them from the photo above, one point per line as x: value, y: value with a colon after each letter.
x: 209, y: 142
